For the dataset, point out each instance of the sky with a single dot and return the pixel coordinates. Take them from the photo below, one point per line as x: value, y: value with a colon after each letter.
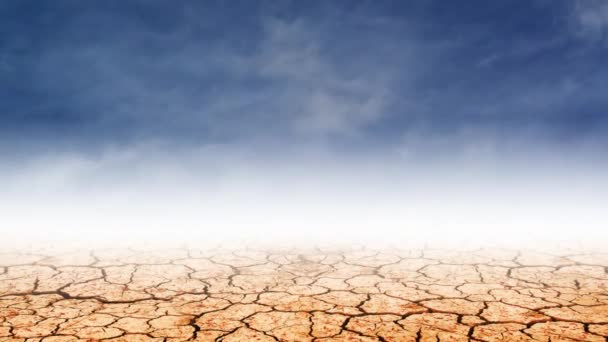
x: 417, y: 114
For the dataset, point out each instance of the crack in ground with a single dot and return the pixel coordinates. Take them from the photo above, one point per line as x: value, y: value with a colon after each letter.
x: 303, y: 295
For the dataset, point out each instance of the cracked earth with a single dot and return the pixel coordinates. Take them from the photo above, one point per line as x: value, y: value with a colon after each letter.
x: 303, y: 295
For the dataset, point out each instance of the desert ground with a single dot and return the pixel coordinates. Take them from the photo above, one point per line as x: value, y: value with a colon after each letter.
x: 289, y: 294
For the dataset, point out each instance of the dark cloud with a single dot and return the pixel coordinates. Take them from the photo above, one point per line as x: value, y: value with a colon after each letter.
x: 342, y: 73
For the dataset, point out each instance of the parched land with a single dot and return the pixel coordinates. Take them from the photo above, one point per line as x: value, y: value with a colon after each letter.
x: 303, y: 295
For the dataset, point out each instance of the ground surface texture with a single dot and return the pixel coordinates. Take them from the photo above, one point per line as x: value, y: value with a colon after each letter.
x: 303, y: 295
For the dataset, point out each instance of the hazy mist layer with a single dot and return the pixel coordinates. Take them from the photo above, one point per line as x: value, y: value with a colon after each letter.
x: 220, y: 194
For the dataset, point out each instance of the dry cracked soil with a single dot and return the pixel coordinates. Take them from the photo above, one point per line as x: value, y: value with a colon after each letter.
x: 303, y: 295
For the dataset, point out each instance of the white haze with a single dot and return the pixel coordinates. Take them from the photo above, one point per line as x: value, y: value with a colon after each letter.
x: 215, y: 195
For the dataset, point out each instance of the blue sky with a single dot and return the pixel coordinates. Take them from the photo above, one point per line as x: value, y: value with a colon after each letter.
x: 352, y: 75
x: 419, y: 119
